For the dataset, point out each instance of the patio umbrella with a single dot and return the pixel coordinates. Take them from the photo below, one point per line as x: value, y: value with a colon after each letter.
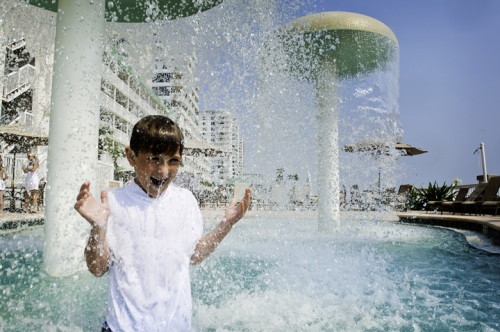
x: 381, y: 148
x: 408, y: 150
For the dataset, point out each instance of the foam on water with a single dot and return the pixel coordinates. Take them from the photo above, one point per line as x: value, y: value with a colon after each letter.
x: 284, y: 275
x: 279, y: 275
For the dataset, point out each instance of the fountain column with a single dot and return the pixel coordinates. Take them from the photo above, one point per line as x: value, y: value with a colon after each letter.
x: 328, y: 182
x: 73, y: 130
x: 2, y: 61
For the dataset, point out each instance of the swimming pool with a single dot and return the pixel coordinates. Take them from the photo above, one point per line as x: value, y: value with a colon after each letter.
x: 284, y: 275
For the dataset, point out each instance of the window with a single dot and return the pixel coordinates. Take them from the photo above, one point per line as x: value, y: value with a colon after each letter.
x: 176, y: 89
x: 107, y: 88
x: 121, y: 124
x: 134, y: 109
x: 161, y: 90
x: 123, y: 75
x: 134, y: 85
x: 162, y: 77
x: 121, y: 99
x: 106, y: 117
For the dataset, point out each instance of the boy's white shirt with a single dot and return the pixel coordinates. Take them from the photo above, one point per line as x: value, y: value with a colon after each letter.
x: 151, y: 241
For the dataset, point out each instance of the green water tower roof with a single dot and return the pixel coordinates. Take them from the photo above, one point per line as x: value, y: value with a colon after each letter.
x: 137, y: 11
x: 351, y: 43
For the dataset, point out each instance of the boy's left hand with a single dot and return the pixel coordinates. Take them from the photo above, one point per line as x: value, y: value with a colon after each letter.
x: 236, y: 211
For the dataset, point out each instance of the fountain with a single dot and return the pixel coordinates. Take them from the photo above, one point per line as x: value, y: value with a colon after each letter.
x: 336, y: 46
x: 74, y: 118
x: 277, y: 272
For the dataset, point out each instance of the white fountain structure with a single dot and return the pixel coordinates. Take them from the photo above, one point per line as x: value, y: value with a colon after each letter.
x: 324, y: 48
x: 74, y: 117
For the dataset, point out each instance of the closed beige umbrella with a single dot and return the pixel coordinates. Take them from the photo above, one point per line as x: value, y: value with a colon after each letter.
x: 380, y: 148
x: 408, y: 150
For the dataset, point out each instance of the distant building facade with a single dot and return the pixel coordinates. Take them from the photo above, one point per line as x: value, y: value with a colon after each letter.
x: 124, y: 99
x: 173, y: 82
x: 220, y: 128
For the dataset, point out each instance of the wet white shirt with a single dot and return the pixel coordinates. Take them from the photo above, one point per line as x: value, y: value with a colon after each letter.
x: 151, y: 242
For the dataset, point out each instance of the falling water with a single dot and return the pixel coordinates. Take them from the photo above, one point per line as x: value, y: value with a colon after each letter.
x: 274, y: 272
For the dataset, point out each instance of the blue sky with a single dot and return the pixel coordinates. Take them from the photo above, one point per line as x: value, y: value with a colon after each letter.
x: 449, y: 82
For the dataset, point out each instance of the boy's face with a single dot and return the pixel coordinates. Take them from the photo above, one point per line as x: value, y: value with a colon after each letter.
x: 153, y: 173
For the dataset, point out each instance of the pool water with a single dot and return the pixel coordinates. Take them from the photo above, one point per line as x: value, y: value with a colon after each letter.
x: 284, y: 275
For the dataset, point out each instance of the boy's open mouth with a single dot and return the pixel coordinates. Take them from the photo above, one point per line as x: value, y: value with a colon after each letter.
x: 158, y: 183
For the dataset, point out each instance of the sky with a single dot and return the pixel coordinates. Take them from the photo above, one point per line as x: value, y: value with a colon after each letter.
x: 449, y: 82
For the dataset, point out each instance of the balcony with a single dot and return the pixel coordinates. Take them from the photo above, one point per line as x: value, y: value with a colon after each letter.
x: 17, y: 83
x: 17, y: 44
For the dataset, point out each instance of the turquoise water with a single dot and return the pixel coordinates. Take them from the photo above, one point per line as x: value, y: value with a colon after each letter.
x: 283, y: 275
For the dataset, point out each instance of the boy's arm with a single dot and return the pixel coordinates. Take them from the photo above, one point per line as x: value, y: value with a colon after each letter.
x: 210, y: 241
x: 97, y: 214
x: 97, y: 252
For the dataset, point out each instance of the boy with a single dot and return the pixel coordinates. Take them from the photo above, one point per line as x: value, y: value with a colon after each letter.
x: 148, y: 232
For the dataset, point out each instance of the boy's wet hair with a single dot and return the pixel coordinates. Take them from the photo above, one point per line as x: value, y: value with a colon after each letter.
x: 156, y: 134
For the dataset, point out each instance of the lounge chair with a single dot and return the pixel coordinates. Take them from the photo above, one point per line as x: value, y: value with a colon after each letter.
x: 405, y: 189
x: 490, y: 205
x: 460, y: 197
x: 403, y: 194
x: 490, y: 194
x: 491, y: 201
x: 457, y: 206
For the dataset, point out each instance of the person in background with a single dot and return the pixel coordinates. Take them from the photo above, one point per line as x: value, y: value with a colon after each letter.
x: 32, y: 182
x: 3, y: 176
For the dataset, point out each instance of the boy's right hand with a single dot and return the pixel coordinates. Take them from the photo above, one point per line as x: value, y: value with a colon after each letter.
x: 96, y: 213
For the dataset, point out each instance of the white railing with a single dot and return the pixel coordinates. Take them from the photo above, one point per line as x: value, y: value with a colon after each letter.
x: 18, y: 82
x: 118, y: 109
x: 17, y: 44
x: 27, y: 120
x: 128, y: 91
x: 20, y: 176
x: 121, y: 137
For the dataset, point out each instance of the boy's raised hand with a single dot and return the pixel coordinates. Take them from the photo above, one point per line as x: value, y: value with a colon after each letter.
x: 96, y: 213
x: 236, y: 211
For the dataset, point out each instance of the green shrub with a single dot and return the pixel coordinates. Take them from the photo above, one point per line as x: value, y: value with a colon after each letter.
x: 419, y: 197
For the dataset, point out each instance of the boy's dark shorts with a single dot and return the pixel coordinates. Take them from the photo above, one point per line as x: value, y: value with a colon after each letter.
x: 105, y: 327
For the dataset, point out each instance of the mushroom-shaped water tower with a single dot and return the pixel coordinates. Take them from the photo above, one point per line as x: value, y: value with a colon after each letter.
x: 323, y: 49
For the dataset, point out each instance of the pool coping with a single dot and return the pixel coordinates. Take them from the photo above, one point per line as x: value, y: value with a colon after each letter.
x: 15, y: 222
x: 486, y: 225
